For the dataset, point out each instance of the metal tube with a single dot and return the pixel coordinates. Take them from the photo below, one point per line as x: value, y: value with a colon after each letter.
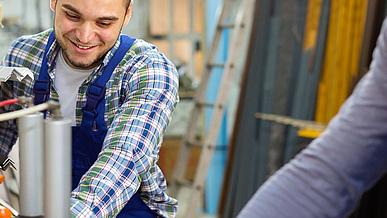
x: 31, y: 165
x: 58, y: 168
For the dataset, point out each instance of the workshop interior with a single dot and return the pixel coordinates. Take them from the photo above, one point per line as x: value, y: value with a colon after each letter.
x: 258, y: 81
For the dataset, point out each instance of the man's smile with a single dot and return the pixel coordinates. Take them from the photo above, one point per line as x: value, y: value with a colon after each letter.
x: 84, y: 47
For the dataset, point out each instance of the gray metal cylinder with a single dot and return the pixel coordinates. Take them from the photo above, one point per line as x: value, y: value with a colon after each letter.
x: 31, y: 165
x: 58, y: 168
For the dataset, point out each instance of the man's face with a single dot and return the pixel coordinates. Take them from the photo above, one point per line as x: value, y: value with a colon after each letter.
x: 87, y: 29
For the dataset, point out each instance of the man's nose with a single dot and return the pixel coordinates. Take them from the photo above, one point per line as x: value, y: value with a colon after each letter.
x: 85, y: 32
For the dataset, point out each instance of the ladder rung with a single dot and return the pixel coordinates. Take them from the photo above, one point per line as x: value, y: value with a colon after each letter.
x: 184, y: 182
x: 187, y: 183
x: 227, y: 25
x: 219, y: 65
x: 205, y: 104
x: 195, y: 143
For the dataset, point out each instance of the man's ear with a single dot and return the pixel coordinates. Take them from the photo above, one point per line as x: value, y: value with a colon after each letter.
x: 128, y: 14
x: 52, y: 5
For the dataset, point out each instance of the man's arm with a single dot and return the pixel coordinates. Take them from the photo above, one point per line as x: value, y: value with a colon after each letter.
x: 328, y: 178
x: 132, y: 143
x: 8, y: 129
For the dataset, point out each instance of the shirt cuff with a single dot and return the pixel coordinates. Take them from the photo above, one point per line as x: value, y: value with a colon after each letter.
x: 79, y: 209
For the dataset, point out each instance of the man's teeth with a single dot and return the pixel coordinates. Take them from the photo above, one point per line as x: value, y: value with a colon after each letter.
x: 83, y: 47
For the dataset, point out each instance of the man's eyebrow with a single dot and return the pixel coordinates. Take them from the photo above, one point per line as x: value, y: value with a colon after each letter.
x: 106, y: 18
x: 110, y: 18
x: 71, y: 8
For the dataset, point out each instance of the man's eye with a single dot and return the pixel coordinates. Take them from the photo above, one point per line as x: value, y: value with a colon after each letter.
x: 104, y: 24
x: 71, y: 16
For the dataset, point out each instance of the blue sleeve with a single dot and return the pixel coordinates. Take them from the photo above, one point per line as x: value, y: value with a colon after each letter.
x: 328, y: 178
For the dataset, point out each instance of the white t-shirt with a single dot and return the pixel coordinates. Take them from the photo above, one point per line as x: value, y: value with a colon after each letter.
x: 67, y: 82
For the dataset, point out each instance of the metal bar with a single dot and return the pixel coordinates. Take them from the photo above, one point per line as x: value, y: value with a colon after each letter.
x: 58, y: 167
x: 299, y: 32
x: 291, y: 141
x: 289, y: 15
x: 31, y: 152
x: 299, y: 78
x: 267, y: 103
x: 319, y: 58
x: 290, y: 121
x: 244, y: 143
x: 367, y: 40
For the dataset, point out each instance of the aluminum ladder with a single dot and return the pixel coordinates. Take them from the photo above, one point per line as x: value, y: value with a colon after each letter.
x: 235, y: 16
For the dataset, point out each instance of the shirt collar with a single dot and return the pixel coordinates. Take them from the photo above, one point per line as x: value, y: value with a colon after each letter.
x: 52, y: 53
x: 110, y: 54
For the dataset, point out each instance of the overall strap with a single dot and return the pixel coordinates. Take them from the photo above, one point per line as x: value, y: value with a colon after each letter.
x: 96, y: 90
x: 42, y: 85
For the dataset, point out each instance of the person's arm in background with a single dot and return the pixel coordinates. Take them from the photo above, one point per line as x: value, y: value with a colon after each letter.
x: 328, y: 178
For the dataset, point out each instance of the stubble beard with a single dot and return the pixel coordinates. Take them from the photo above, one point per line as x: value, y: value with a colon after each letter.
x: 78, y: 65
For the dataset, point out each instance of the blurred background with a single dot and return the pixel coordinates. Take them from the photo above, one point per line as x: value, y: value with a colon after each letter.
x: 301, y: 59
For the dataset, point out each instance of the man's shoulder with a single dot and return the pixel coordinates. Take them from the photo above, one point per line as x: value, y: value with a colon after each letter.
x: 147, y: 52
x: 31, y: 41
x: 27, y: 50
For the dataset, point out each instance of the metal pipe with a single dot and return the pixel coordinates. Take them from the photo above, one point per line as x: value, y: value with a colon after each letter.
x: 58, y: 167
x: 23, y: 112
x: 31, y: 165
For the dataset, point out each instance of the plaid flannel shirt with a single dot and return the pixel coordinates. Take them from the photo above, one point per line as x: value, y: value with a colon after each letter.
x: 140, y: 98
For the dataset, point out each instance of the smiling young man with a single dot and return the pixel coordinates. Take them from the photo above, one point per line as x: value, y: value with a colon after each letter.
x: 85, y: 35
x: 119, y: 93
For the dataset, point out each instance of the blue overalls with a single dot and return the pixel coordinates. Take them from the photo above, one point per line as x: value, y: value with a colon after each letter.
x: 87, y: 139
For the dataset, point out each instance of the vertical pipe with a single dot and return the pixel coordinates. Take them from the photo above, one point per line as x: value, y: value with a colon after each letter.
x: 31, y: 165
x: 58, y: 167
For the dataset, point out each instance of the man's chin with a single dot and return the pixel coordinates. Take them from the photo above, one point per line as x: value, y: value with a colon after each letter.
x: 83, y: 65
x: 83, y: 62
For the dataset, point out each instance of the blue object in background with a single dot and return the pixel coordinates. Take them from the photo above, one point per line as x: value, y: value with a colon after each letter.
x: 215, y: 173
